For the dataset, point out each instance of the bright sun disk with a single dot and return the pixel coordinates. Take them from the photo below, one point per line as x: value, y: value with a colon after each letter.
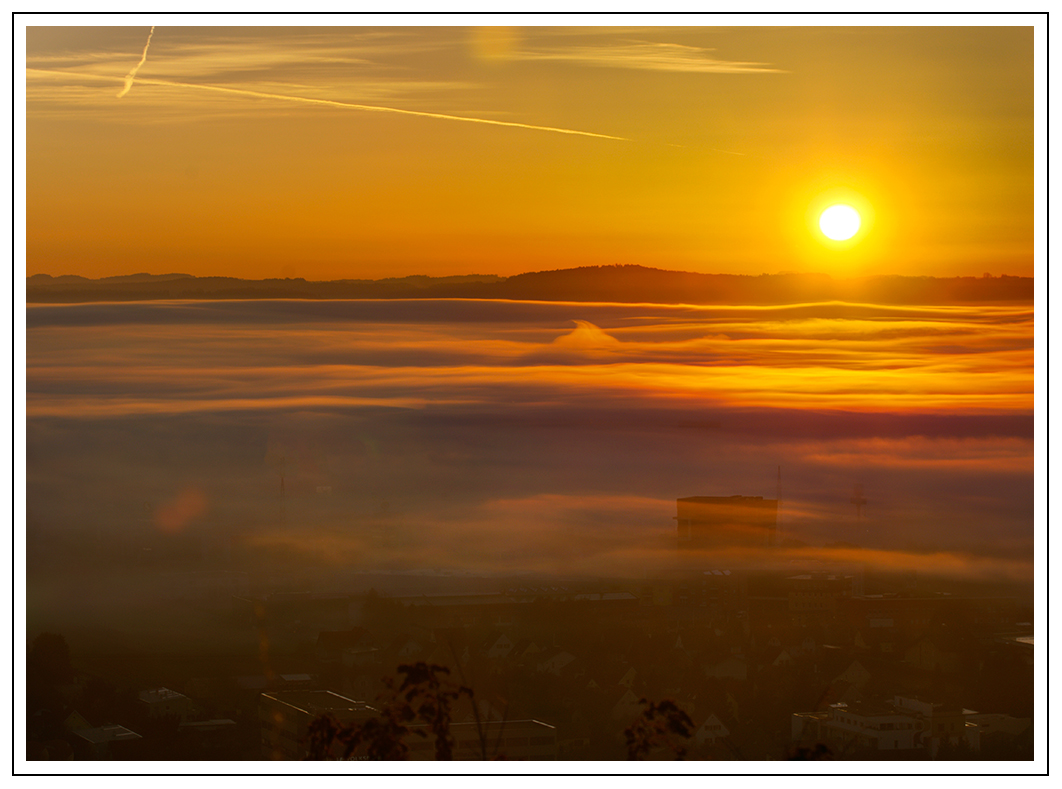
x: 839, y: 222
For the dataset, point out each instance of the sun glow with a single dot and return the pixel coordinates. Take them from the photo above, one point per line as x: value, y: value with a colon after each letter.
x: 839, y: 222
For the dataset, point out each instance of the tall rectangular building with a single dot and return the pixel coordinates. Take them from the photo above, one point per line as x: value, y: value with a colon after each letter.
x: 726, y: 521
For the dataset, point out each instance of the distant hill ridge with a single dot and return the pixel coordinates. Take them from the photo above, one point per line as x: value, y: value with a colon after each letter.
x: 43, y: 279
x: 621, y: 283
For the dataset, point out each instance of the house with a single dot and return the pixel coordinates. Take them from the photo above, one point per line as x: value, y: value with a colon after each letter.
x: 165, y: 703
x: 525, y: 647
x: 927, y: 654
x: 710, y: 732
x: 940, y: 724
x: 360, y: 656
x: 806, y: 646
x: 627, y: 677
x: 855, y: 674
x: 499, y: 647
x: 201, y: 728
x: 449, y: 643
x: 575, y: 670
x: 74, y: 721
x: 782, y: 660
x: 841, y: 692
x: 876, y: 640
x: 997, y: 731
x: 818, y: 596
x: 907, y: 725
x: 331, y: 643
x: 105, y: 743
x: 208, y: 739
x: 621, y: 675
x: 996, y: 723
x: 363, y: 685
x: 732, y: 667
x: 555, y: 662
x: 851, y: 729
x: 847, y: 687
x: 628, y: 707
x: 405, y: 647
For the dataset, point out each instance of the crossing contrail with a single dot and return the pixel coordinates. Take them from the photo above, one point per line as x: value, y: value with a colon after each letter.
x: 324, y: 102
x: 132, y: 74
x: 376, y: 108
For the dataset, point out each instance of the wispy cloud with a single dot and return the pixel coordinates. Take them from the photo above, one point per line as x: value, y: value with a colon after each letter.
x: 360, y: 107
x: 648, y: 56
x: 132, y: 74
x: 248, y: 55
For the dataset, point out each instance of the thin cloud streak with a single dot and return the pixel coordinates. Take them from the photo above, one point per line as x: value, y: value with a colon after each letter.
x: 132, y: 74
x: 119, y: 407
x: 650, y: 56
x: 742, y: 386
x: 347, y: 105
x: 472, y: 543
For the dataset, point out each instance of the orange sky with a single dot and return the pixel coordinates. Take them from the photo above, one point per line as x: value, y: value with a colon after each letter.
x: 236, y: 151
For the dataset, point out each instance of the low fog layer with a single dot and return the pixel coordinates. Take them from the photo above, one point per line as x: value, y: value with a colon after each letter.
x: 491, y: 437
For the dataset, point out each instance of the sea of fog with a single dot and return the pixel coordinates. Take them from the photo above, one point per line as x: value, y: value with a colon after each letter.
x: 331, y: 437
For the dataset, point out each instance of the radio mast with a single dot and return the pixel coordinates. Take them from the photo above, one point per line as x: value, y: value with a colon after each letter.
x: 778, y: 515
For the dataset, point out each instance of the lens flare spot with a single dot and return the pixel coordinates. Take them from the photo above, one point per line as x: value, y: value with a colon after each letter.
x: 176, y: 513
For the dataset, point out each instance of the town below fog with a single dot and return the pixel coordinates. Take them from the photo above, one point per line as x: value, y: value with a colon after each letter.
x: 233, y: 654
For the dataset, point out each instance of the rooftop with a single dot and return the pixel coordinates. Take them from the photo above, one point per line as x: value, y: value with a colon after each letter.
x: 605, y: 596
x: 107, y: 734
x: 294, y: 597
x: 219, y: 723
x: 498, y: 726
x: 155, y: 695
x: 314, y: 702
x: 744, y: 500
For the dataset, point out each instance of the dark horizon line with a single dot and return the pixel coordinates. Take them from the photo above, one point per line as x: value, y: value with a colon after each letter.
x: 604, y: 284
x: 629, y: 267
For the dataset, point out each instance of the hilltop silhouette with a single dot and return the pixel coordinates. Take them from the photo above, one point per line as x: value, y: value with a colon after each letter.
x: 628, y: 284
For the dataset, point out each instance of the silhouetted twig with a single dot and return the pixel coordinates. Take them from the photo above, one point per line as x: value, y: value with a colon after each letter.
x: 656, y: 727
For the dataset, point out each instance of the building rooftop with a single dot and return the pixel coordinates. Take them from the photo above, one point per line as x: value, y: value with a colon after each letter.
x: 103, y: 734
x: 604, y: 596
x: 156, y: 695
x: 497, y: 726
x: 314, y: 702
x: 745, y: 500
x: 457, y: 599
x: 219, y: 723
x: 822, y: 716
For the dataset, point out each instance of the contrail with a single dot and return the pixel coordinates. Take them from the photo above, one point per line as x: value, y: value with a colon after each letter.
x: 328, y: 102
x: 376, y: 108
x: 132, y: 74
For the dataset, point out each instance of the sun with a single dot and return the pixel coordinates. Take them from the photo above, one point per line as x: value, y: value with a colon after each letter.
x: 839, y: 222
